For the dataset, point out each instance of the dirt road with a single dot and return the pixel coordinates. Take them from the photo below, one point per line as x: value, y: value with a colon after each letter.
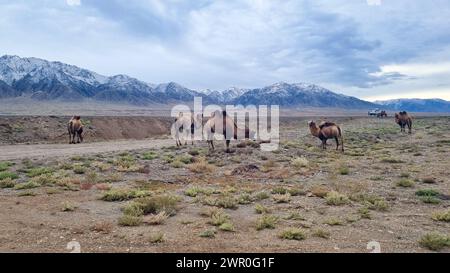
x: 21, y: 151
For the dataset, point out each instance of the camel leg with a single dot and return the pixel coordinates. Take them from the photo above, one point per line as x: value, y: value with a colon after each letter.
x: 324, y: 144
x: 70, y: 138
x: 227, y: 142
x: 210, y: 144
x: 337, y: 143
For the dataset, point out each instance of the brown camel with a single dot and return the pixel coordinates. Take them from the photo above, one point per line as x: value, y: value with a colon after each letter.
x: 325, y: 131
x: 229, y: 129
x: 404, y: 119
x: 75, y: 128
x: 382, y: 114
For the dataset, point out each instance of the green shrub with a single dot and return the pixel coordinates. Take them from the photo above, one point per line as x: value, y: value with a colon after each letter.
x: 427, y: 192
x: 149, y: 156
x: 78, y: 169
x: 157, y: 204
x: 227, y: 226
x: 39, y: 171
x: 434, y: 241
x: 260, y: 209
x: 344, y: 170
x: 4, y: 166
x: 292, y: 234
x: 443, y: 216
x: 210, y: 233
x: 8, y: 175
x: 7, y: 183
x: 128, y: 220
x: 405, y: 183
x: 266, y: 222
x: 27, y: 185
x: 336, y: 199
x: 123, y: 194
x: 321, y: 234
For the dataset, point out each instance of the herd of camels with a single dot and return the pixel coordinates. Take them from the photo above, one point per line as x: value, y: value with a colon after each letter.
x: 324, y: 130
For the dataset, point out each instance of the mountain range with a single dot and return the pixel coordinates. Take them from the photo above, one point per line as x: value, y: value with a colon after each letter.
x: 44, y: 80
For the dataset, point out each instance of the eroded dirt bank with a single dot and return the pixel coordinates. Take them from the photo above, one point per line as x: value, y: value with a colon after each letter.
x: 53, y: 129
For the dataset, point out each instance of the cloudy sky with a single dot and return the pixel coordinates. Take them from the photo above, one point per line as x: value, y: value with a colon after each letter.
x: 373, y: 49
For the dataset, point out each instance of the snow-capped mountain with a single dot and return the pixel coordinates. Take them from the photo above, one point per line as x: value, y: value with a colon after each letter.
x: 45, y: 80
x: 226, y: 95
x: 417, y: 105
x: 300, y: 94
x: 14, y: 68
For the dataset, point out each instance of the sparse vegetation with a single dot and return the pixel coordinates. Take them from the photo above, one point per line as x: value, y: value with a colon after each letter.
x: 156, y: 238
x: 39, y: 171
x: 295, y: 216
x: 261, y: 195
x: 260, y: 209
x: 299, y: 162
x: 344, y: 170
x: 228, y: 226
x: 435, y: 241
x: 7, y: 183
x: 336, y: 199
x: 129, y: 220
x: 334, y: 222
x: 320, y: 191
x: 156, y: 219
x: 4, y: 166
x: 156, y: 204
x: 443, y: 216
x: 293, y: 234
x: 79, y: 169
x: 149, y: 156
x: 219, y: 217
x: 266, y: 221
x: 428, y: 196
x: 27, y: 185
x: 201, y: 166
x: 321, y: 233
x: 123, y: 194
x: 281, y: 198
x: 210, y: 233
x: 8, y: 175
x: 365, y: 213
x: 405, y: 183
x: 67, y: 206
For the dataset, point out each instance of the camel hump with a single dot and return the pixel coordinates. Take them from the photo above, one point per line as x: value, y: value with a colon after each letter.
x: 327, y: 124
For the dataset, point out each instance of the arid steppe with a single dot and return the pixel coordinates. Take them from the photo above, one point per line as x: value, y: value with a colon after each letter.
x: 141, y: 193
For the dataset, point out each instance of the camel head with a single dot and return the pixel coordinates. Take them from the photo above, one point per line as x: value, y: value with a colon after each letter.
x: 312, y: 124
x: 313, y: 128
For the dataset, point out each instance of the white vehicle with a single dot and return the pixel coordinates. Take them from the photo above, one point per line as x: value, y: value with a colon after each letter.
x: 374, y: 112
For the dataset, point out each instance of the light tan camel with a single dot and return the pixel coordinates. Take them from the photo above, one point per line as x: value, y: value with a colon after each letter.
x: 186, y: 123
x: 229, y: 129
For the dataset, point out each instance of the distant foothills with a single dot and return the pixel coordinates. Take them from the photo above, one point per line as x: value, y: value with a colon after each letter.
x: 43, y: 80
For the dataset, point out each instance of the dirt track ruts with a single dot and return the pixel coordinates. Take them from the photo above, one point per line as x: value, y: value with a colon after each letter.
x: 21, y: 151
